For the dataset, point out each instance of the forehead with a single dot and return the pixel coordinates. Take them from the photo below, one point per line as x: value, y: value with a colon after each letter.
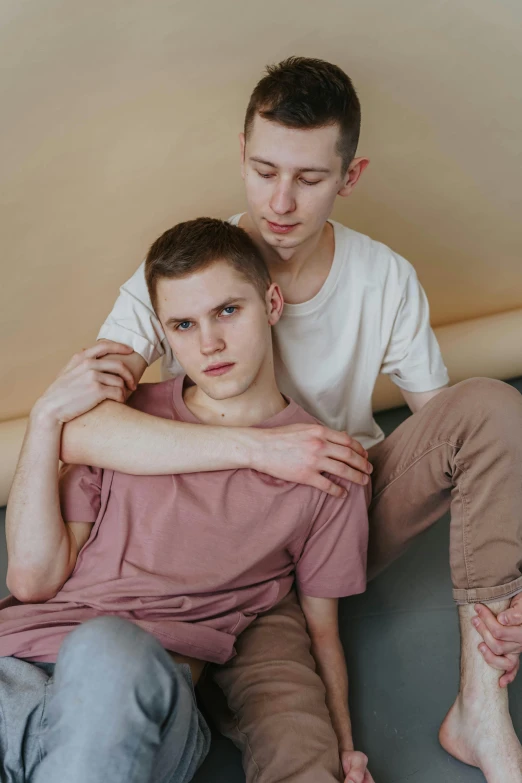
x: 202, y: 291
x: 294, y: 148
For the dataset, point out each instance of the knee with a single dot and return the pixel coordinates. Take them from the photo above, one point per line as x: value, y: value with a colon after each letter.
x: 493, y: 399
x: 108, y: 641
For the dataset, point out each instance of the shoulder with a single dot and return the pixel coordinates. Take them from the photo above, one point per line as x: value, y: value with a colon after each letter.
x: 155, y: 398
x: 297, y: 415
x: 300, y: 416
x: 234, y: 219
x: 369, y: 259
x: 137, y: 284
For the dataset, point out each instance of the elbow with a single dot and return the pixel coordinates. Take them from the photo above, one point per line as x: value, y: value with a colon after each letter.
x: 78, y: 435
x: 71, y: 451
x: 26, y: 590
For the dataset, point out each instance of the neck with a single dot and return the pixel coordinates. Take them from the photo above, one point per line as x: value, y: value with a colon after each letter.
x: 300, y: 271
x: 259, y: 402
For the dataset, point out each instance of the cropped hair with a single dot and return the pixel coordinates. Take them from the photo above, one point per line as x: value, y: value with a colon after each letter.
x: 195, y: 245
x: 302, y: 92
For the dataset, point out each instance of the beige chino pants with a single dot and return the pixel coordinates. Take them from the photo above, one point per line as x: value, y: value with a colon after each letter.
x: 463, y: 452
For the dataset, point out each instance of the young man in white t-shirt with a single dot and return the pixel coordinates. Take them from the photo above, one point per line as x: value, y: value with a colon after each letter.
x: 353, y: 309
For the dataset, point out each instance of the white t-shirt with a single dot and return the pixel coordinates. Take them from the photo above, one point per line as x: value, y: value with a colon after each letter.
x: 370, y: 316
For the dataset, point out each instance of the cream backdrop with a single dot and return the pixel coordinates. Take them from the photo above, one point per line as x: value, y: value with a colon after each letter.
x: 121, y: 118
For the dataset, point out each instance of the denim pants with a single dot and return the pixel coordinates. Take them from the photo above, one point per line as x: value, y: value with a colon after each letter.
x: 114, y: 709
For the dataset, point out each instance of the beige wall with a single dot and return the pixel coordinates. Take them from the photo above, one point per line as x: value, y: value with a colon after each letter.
x: 120, y: 118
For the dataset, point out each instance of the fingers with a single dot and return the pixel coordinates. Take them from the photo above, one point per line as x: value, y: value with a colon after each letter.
x: 342, y: 438
x: 109, y: 387
x: 496, y: 646
x: 357, y: 769
x: 111, y: 393
x: 504, y: 663
x: 106, y: 379
x: 101, y: 348
x: 343, y: 471
x: 104, y: 347
x: 349, y: 457
x: 510, y: 617
x: 354, y: 766
x: 509, y: 677
x: 114, y: 366
x: 507, y: 634
x: 513, y: 615
x: 330, y: 487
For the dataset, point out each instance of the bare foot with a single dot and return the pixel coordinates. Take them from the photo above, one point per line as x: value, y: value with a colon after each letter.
x: 474, y: 735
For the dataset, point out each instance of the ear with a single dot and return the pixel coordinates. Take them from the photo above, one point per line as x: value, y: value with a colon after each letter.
x: 242, y: 142
x: 352, y: 176
x: 274, y: 303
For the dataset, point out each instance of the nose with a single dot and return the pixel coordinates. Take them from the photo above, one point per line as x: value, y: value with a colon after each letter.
x: 282, y: 200
x: 210, y: 340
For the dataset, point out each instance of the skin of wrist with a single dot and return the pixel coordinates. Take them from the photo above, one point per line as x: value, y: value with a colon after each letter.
x: 42, y: 416
x: 255, y: 448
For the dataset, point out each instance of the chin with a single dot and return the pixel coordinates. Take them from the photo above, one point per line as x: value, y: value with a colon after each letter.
x: 225, y: 389
x: 281, y: 240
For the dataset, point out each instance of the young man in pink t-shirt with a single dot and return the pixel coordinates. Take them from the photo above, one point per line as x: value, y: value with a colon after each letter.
x: 124, y: 586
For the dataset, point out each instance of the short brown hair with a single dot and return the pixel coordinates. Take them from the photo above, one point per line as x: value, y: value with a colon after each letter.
x: 302, y: 92
x: 195, y: 245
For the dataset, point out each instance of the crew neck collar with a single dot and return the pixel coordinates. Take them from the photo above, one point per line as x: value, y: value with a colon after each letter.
x: 278, y: 420
x: 328, y: 287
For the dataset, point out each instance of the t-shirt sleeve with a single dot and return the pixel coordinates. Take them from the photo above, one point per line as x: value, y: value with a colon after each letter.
x: 332, y: 563
x: 133, y: 321
x: 80, y: 492
x: 412, y: 357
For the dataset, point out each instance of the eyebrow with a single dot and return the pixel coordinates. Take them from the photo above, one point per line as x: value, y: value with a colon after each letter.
x: 230, y: 301
x: 305, y: 168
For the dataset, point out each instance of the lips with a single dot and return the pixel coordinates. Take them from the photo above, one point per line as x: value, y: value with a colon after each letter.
x: 219, y: 369
x: 278, y: 228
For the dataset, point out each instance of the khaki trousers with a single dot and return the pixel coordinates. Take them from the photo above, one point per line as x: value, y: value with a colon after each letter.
x: 463, y: 452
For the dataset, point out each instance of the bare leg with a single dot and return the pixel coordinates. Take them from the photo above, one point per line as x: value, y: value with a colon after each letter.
x: 478, y: 729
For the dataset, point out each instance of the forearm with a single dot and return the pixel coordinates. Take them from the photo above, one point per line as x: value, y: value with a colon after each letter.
x: 417, y: 400
x: 117, y: 437
x: 38, y: 542
x: 331, y: 666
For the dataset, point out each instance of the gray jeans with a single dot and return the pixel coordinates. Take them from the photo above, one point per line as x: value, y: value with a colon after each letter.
x: 115, y: 708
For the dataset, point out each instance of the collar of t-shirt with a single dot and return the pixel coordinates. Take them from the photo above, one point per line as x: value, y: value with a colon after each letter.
x: 328, y: 287
x: 184, y: 414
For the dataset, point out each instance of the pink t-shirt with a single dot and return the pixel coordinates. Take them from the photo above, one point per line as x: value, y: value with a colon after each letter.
x: 193, y: 558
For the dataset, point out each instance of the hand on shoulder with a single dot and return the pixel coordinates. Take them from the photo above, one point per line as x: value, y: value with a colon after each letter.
x: 92, y: 376
x: 303, y: 453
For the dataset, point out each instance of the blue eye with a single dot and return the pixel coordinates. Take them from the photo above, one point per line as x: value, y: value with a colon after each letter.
x: 230, y: 310
x: 183, y: 326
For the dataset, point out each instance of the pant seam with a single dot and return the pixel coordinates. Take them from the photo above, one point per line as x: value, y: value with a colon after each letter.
x: 414, y: 462
x: 42, y: 718
x: 468, y: 556
x: 247, y: 742
x: 469, y: 563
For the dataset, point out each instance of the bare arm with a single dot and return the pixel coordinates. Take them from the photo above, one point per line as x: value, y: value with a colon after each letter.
x: 417, y: 400
x: 42, y: 549
x: 322, y: 621
x: 120, y: 438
